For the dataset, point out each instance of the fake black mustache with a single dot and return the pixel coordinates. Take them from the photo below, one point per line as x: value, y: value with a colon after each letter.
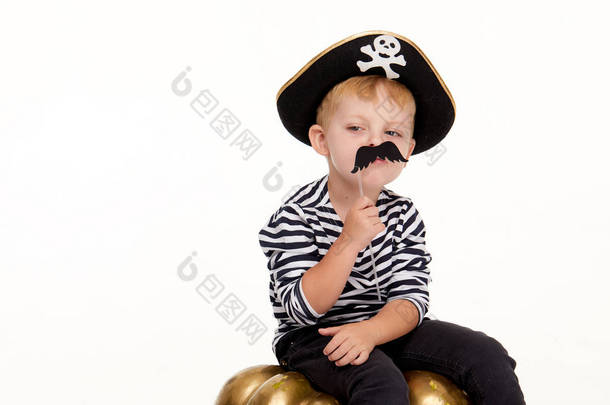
x: 368, y: 154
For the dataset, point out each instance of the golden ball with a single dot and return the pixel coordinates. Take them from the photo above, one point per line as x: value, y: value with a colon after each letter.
x: 427, y: 388
x: 239, y: 388
x: 272, y: 385
x: 289, y: 388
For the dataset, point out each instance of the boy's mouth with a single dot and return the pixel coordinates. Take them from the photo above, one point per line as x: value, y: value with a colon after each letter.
x: 378, y: 160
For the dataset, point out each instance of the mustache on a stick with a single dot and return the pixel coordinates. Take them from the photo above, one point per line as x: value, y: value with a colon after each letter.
x: 368, y: 154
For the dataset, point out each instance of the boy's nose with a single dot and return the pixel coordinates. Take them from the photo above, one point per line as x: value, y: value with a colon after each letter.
x: 375, y: 139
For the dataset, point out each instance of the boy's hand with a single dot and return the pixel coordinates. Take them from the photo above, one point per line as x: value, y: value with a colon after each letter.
x: 362, y: 222
x: 351, y: 343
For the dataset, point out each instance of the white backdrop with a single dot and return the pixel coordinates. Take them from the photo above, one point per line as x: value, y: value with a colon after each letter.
x: 109, y: 181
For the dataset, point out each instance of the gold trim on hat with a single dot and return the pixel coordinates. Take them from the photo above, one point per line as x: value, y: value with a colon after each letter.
x: 361, y: 34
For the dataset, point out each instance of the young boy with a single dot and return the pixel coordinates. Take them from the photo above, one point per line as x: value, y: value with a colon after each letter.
x: 347, y: 256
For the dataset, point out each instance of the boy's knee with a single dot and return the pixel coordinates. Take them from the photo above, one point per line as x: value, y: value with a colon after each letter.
x: 491, y: 353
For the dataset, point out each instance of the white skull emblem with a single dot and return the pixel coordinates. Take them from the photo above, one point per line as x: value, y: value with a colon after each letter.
x: 386, y: 45
x: 384, y: 54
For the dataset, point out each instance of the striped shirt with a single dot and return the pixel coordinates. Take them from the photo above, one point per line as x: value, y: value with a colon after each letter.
x: 299, y: 234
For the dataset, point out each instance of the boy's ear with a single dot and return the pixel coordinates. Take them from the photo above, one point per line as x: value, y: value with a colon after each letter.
x: 411, y: 147
x: 317, y: 138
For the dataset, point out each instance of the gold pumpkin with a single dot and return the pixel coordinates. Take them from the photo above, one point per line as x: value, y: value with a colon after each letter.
x: 272, y: 385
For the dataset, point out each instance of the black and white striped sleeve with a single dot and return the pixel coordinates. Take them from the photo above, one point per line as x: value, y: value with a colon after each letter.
x: 410, y: 273
x: 289, y: 244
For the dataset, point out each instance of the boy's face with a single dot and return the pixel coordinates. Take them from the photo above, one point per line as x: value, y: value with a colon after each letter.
x: 358, y: 123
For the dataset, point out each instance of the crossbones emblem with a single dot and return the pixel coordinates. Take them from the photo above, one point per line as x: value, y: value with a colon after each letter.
x: 384, y: 54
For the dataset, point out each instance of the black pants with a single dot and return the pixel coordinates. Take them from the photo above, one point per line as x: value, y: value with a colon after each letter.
x: 477, y: 363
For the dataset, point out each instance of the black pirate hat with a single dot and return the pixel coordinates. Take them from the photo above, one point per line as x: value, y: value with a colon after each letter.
x: 369, y: 53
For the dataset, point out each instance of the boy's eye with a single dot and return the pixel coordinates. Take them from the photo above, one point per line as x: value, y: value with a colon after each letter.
x: 356, y: 128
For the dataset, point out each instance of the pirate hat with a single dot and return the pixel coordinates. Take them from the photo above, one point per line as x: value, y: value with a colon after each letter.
x: 369, y: 53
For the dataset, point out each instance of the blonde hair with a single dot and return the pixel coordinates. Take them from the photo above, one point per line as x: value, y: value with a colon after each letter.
x: 365, y: 87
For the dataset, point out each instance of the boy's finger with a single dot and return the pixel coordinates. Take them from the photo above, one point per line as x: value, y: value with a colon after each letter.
x: 363, y: 202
